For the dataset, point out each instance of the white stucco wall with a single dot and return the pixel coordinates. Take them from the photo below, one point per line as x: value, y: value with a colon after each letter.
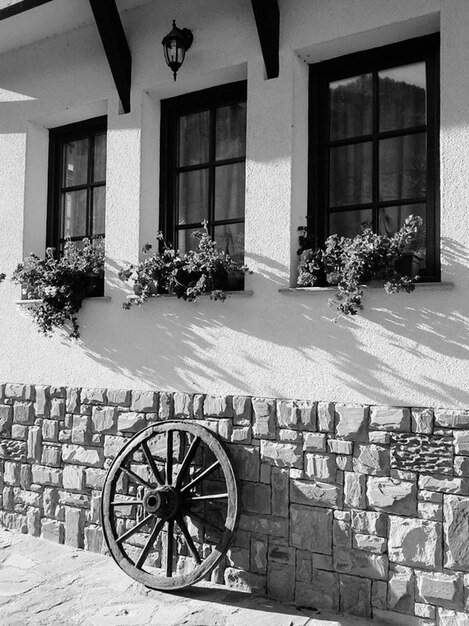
x: 402, y: 350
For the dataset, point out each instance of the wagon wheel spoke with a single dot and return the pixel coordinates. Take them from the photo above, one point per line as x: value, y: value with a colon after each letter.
x: 209, y: 496
x: 185, y: 531
x: 187, y: 460
x: 169, y: 549
x: 125, y: 502
x: 136, y: 477
x: 169, y: 456
x: 133, y: 530
x: 151, y: 463
x: 149, y: 544
x: 200, y: 477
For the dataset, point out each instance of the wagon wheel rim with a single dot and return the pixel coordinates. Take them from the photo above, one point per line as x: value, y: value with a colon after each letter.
x: 165, y: 504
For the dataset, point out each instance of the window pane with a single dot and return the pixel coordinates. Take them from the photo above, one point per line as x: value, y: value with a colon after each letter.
x: 231, y: 131
x: 402, y: 97
x: 230, y: 239
x: 185, y: 241
x: 99, y: 158
x: 193, y: 197
x: 74, y: 213
x: 75, y: 170
x: 229, y: 191
x: 194, y: 133
x: 393, y: 217
x: 402, y: 167
x: 350, y: 174
x: 99, y: 206
x: 350, y: 107
x: 349, y: 223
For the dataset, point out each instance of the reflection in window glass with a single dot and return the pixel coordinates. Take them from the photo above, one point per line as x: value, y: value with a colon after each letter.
x: 229, y: 191
x: 350, y: 174
x: 74, y: 213
x: 186, y: 241
x: 402, y: 97
x: 194, y: 137
x: 75, y: 167
x: 193, y: 196
x: 230, y: 132
x: 99, y: 207
x: 99, y: 173
x: 350, y: 107
x: 350, y: 223
x: 402, y: 167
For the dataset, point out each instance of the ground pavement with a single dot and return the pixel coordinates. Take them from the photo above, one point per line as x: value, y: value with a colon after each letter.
x: 44, y: 584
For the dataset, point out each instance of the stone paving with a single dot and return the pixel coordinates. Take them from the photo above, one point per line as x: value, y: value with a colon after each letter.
x: 45, y: 584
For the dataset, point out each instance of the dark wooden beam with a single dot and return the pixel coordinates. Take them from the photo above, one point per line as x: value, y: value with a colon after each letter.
x: 115, y: 45
x: 20, y: 7
x: 267, y: 16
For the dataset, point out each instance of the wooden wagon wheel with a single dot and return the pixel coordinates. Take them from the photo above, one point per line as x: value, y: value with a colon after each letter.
x: 170, y: 505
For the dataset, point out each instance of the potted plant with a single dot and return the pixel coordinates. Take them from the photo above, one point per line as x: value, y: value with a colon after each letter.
x: 349, y: 262
x: 187, y: 276
x: 60, y: 283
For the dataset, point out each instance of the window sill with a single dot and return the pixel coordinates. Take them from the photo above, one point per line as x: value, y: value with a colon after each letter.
x: 38, y: 300
x: 298, y: 291
x: 229, y: 294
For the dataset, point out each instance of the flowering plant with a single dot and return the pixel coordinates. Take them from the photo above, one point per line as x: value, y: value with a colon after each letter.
x: 187, y: 276
x: 348, y: 263
x: 61, y: 283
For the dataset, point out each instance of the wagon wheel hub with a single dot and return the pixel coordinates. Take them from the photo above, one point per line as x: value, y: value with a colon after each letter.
x: 163, y: 502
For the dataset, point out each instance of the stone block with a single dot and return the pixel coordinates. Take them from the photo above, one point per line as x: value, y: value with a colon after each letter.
x: 371, y: 459
x: 415, y: 542
x: 326, y: 414
x: 144, y: 402
x: 50, y: 476
x: 50, y: 430
x: 393, y: 618
x: 369, y: 523
x: 263, y: 418
x: 456, y: 533
x: 281, y: 581
x: 358, y: 563
x: 429, y: 496
x: 13, y: 450
x: 422, y: 453
x: 355, y: 596
x: 290, y: 436
x: 6, y: 419
x: 53, y: 531
x: 94, y: 478
x: 320, y: 467
x: 57, y: 392
x: 446, y: 590
x: 238, y: 557
x: 282, y: 454
x: 445, y: 484
x: 130, y: 422
x: 280, y: 492
x: 401, y: 589
x: 341, y: 534
x: 379, y: 592
x: 93, y: 539
x: 72, y: 401
x: 74, y: 527
x: 389, y: 418
x: 265, y: 472
x: 461, y: 466
x: 104, y: 419
x: 461, y: 442
x: 113, y: 445
x: 20, y: 431
x: 354, y: 490
x: 303, y: 566
x: 265, y: 524
x: 34, y: 444
x: 245, y: 581
x: 23, y: 500
x: 15, y: 391
x: 351, y: 422
x: 50, y: 500
x: 93, y: 396
x: 51, y: 455
x: 241, y: 434
x: 314, y: 442
x: 422, y: 420
x: 287, y: 414
x: 430, y: 510
x: 381, y: 437
x: 33, y: 522
x: 165, y: 406
x: 23, y: 413
x: 344, y: 462
x: 446, y: 418
x: 57, y: 409
x: 424, y: 610
x: 78, y: 500
x: 321, y: 593
x: 316, y: 494
x: 391, y: 495
x: 11, y: 473
x: 338, y: 446
x: 225, y: 429
x: 246, y: 461
x: 183, y: 405
x: 118, y: 397
x: 82, y: 455
x: 242, y: 410
x: 218, y: 406
x: 307, y: 414
x: 370, y: 543
x: 256, y: 497
x: 311, y: 529
x: 73, y: 478
x: 446, y: 617
x: 258, y: 552
x: 25, y: 476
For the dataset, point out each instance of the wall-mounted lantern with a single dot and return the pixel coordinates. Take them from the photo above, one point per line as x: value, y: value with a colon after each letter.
x: 175, y: 45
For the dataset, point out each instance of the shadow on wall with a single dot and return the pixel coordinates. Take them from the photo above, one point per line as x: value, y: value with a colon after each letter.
x: 176, y: 345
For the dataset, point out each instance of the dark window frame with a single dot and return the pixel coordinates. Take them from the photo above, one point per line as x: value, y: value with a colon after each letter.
x: 171, y: 110
x: 386, y: 57
x: 58, y: 137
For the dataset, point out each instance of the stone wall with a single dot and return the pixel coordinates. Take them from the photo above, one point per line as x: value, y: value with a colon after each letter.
x: 357, y: 509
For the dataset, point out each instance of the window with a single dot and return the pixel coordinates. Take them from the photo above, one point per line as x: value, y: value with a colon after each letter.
x: 203, y: 158
x: 373, y: 143
x: 77, y: 182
